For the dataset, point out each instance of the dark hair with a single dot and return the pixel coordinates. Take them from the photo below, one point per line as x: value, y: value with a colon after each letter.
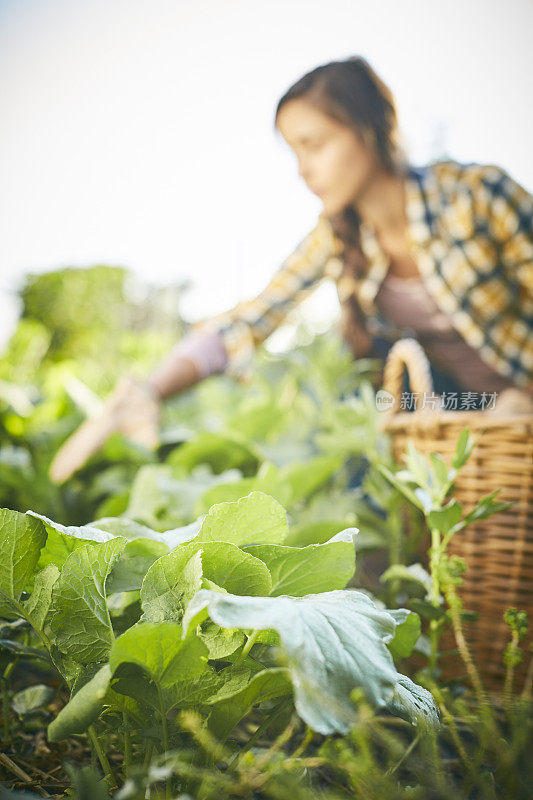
x: 350, y: 92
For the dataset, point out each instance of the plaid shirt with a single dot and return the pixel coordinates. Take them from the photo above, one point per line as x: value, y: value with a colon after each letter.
x: 471, y: 232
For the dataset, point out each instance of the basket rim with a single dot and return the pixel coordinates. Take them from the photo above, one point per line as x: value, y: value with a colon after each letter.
x: 476, y: 419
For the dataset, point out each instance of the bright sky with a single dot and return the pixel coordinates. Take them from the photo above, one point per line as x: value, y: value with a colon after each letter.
x: 140, y: 132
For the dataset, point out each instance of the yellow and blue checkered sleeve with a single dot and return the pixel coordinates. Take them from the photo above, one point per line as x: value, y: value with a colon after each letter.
x: 511, y: 225
x: 250, y: 322
x: 511, y: 228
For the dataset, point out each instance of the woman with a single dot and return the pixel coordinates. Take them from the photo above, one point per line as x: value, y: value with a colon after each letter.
x: 443, y: 253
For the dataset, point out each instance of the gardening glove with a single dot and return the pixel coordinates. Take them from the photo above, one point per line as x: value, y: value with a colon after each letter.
x: 132, y: 409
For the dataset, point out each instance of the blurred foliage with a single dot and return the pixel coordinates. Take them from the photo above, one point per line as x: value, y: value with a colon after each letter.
x: 99, y: 316
x: 78, y: 307
x: 299, y: 429
x: 79, y: 330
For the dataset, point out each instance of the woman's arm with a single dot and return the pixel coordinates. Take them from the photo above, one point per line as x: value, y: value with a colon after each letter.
x: 249, y: 323
x: 222, y: 343
x: 198, y: 355
x: 204, y: 351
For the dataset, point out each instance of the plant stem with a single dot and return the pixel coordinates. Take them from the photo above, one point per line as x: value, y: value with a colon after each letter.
x: 449, y: 720
x: 102, y: 757
x: 455, y: 613
x: 304, y: 744
x: 127, y: 746
x: 434, y: 598
x: 454, y: 604
x: 246, y: 648
x: 509, y: 672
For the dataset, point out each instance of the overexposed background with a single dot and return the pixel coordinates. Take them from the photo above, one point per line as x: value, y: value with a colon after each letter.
x: 140, y: 132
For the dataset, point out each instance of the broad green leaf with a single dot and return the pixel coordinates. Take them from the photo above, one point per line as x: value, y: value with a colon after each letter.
x: 128, y: 528
x: 36, y: 607
x: 79, y: 617
x: 234, y: 680
x: 31, y: 698
x: 254, y: 518
x: 406, y: 634
x: 132, y: 530
x: 234, y: 570
x: 223, y: 563
x: 220, y: 642
x: 58, y: 548
x: 62, y: 540
x: 170, y: 583
x: 445, y: 518
x: 83, y: 708
x: 265, y: 685
x: 133, y: 564
x: 128, y: 704
x: 176, y: 536
x: 85, y: 532
x: 21, y: 541
x: 85, y: 674
x: 194, y: 693
x: 315, y: 568
x: 134, y: 684
x: 414, y: 703
x: 333, y: 642
x: 160, y: 650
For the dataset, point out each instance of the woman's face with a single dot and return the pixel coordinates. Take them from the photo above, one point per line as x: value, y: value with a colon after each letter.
x: 332, y: 159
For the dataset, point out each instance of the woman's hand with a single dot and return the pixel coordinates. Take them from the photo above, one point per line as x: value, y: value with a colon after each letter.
x: 132, y: 409
x: 512, y: 401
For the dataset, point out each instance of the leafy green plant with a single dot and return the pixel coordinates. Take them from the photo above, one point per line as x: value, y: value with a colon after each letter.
x: 212, y: 612
x: 427, y: 483
x: 202, y: 635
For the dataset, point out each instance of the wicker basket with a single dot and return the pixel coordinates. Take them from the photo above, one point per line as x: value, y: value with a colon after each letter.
x: 498, y: 550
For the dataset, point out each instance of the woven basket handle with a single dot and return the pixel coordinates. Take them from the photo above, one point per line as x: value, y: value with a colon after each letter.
x: 407, y: 353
